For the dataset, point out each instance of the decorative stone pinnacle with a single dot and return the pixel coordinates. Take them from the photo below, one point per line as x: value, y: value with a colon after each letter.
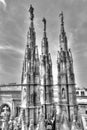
x: 31, y: 10
x: 44, y: 21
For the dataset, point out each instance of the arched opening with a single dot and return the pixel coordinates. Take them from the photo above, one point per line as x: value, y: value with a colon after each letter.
x: 5, y: 112
x: 5, y: 106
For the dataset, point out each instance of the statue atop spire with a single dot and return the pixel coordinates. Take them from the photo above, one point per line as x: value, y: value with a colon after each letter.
x: 44, y: 21
x: 31, y: 10
x: 31, y: 35
x: 61, y: 17
x: 62, y: 21
x: 44, y: 41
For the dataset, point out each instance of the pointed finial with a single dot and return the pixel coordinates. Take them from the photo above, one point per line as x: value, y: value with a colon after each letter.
x: 44, y: 21
x: 31, y: 10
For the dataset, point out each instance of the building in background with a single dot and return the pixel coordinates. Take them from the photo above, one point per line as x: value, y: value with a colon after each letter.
x: 10, y: 100
x: 81, y: 94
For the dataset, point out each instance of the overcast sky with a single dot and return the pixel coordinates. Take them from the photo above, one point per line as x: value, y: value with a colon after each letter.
x: 14, y: 24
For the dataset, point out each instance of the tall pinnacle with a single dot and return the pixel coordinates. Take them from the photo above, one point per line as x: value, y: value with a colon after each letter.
x: 62, y: 22
x: 62, y: 36
x: 31, y: 10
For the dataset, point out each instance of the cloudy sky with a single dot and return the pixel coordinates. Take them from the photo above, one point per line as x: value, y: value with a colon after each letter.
x: 14, y: 23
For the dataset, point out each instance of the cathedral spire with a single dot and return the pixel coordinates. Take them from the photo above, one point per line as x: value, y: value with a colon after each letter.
x: 62, y: 36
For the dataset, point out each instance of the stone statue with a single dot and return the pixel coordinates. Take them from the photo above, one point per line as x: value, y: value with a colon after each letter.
x: 38, y: 127
x: 31, y: 10
x: 63, y: 93
x: 61, y: 17
x: 44, y: 21
x: 42, y: 122
x: 65, y: 124
x: 31, y: 126
x: 10, y: 123
x: 74, y: 122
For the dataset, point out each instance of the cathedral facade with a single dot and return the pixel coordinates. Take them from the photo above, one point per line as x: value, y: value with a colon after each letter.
x: 37, y: 109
